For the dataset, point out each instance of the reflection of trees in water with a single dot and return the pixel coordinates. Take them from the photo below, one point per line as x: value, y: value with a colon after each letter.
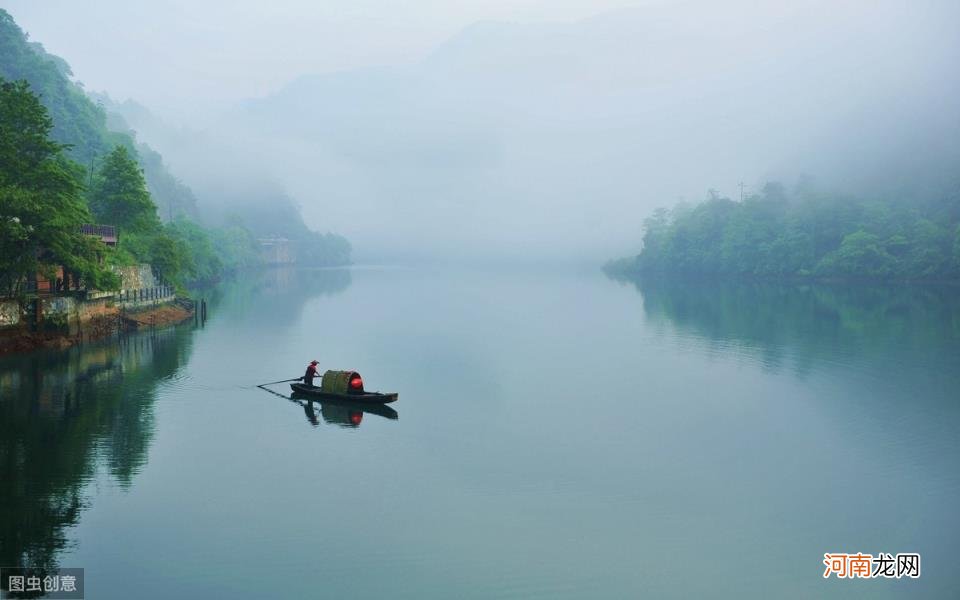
x: 811, y: 322
x: 892, y: 353
x: 62, y: 414
x: 276, y: 296
x: 312, y: 282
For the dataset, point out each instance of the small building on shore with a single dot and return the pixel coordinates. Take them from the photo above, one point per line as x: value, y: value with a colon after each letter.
x: 277, y: 251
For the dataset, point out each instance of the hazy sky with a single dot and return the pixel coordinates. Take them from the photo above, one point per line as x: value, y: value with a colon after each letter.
x: 223, y: 51
x: 521, y: 127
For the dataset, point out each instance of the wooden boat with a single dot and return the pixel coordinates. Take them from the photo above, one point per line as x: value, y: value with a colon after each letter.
x: 318, y: 393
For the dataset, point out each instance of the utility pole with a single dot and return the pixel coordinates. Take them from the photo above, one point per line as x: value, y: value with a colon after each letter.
x: 741, y: 191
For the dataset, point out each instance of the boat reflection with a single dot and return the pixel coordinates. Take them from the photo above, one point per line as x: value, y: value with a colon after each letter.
x: 342, y: 414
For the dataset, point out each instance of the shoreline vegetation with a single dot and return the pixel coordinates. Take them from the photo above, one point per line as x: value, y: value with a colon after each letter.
x: 65, y: 162
x: 83, y: 201
x: 803, y: 235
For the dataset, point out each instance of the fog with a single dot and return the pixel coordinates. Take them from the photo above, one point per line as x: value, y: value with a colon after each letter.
x: 525, y: 130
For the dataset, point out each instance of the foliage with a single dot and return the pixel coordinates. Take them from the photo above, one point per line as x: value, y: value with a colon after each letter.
x: 185, y: 253
x: 323, y: 250
x: 119, y: 194
x: 171, y: 259
x: 77, y: 122
x: 181, y: 252
x: 236, y: 247
x: 126, y: 183
x: 804, y: 234
x: 173, y: 198
x: 41, y: 208
x: 272, y: 213
x: 205, y: 264
x: 81, y: 123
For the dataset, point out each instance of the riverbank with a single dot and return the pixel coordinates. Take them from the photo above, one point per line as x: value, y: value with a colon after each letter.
x: 161, y: 316
x: 105, y: 322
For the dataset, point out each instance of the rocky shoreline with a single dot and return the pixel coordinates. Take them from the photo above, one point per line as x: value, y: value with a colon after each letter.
x: 112, y: 321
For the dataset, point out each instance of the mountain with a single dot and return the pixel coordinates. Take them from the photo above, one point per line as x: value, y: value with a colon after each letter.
x: 80, y: 121
x: 92, y: 124
x: 235, y: 185
x: 526, y: 138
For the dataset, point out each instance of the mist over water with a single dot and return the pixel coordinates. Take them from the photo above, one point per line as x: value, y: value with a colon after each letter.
x: 517, y: 136
x: 557, y: 434
x: 560, y: 432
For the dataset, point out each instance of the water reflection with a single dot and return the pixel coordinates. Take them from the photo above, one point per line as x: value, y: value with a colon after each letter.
x: 884, y: 361
x: 275, y: 297
x: 802, y: 327
x: 343, y: 415
x: 63, y: 415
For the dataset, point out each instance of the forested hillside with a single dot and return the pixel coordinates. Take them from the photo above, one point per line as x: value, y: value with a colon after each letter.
x: 80, y: 123
x: 233, y: 183
x: 106, y: 176
x: 804, y: 233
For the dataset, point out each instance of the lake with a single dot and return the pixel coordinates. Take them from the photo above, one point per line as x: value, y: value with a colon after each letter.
x: 559, y: 434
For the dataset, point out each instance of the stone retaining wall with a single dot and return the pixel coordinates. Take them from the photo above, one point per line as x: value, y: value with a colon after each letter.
x: 136, y: 277
x: 71, y: 311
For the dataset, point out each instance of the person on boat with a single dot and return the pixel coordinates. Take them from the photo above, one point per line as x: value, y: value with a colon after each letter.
x: 311, y: 373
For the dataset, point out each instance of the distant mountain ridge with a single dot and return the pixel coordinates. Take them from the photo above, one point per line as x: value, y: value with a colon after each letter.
x: 81, y: 122
x: 234, y: 188
x: 92, y: 124
x: 632, y: 108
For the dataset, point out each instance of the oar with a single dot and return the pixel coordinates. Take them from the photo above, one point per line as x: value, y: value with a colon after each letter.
x: 268, y: 390
x: 283, y: 381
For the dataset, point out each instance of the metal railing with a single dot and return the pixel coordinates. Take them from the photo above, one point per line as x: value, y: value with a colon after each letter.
x: 146, y: 294
x: 107, y: 233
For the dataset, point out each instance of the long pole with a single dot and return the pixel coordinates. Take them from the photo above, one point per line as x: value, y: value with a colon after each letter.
x: 284, y: 381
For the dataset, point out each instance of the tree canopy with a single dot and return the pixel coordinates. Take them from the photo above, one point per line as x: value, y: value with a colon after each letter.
x: 119, y: 194
x: 805, y: 234
x: 48, y: 122
x: 77, y: 121
x: 41, y: 206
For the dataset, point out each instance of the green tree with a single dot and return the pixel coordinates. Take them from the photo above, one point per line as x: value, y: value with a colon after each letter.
x: 171, y: 260
x: 776, y: 234
x: 207, y: 266
x: 860, y: 255
x: 90, y: 135
x: 41, y: 208
x: 235, y: 246
x: 77, y: 122
x: 119, y: 194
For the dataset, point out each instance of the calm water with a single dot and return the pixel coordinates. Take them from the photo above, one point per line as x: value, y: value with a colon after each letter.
x: 557, y: 435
